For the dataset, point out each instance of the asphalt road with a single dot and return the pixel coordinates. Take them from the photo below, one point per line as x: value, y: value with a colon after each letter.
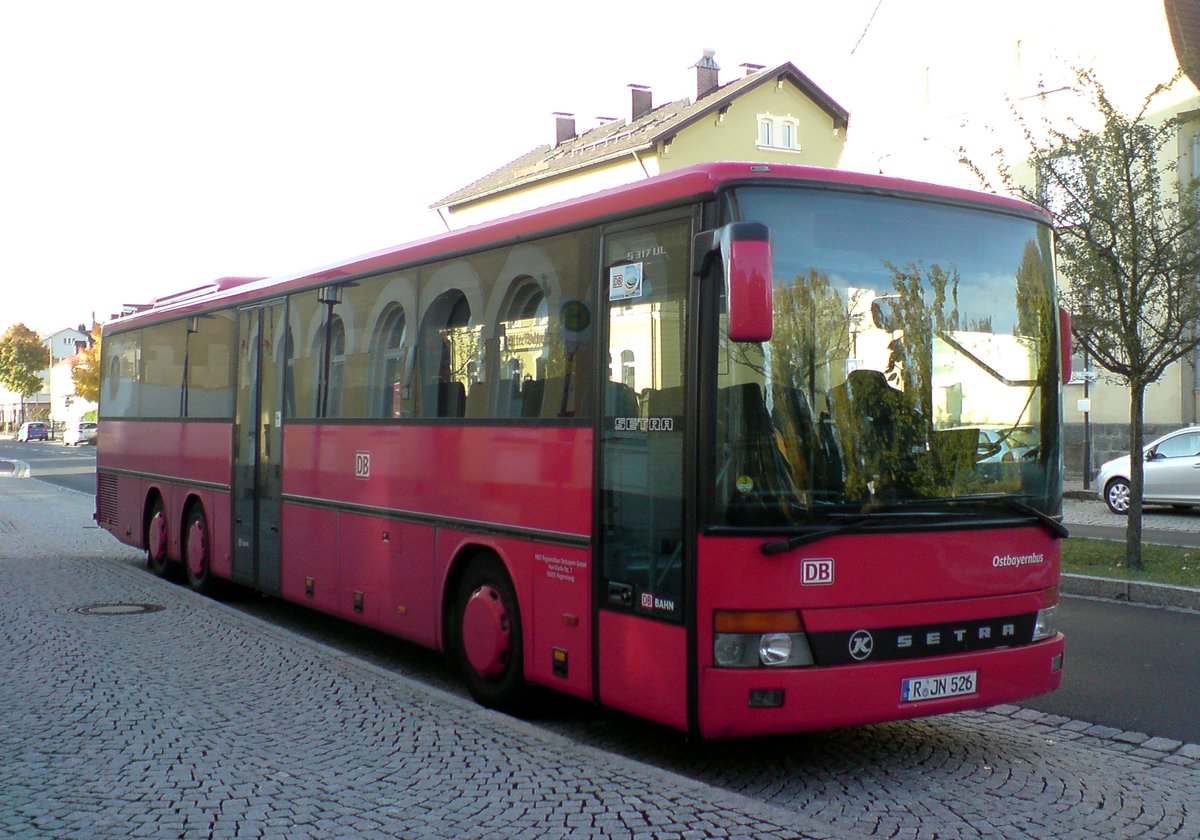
x: 1129, y: 666
x: 73, y: 467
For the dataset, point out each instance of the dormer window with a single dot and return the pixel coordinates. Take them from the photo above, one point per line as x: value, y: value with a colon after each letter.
x: 778, y: 132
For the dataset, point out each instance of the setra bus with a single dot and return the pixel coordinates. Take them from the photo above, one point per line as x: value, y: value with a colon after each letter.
x: 714, y: 448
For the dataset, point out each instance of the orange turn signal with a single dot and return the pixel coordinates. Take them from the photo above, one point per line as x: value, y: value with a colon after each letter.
x: 757, y: 621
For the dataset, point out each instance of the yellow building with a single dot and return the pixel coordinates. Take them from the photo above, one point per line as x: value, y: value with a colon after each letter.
x: 775, y: 115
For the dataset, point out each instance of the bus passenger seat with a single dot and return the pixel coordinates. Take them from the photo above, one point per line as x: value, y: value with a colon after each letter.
x: 531, y: 397
x: 477, y: 400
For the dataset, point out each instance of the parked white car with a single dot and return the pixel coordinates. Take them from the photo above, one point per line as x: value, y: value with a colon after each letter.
x: 1172, y: 473
x: 80, y: 433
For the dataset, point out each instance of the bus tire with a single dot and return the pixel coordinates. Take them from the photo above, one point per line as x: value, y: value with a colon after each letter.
x: 197, y: 553
x: 158, y: 559
x: 489, y: 645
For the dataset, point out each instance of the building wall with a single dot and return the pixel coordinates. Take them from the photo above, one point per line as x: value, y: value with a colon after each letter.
x: 735, y: 135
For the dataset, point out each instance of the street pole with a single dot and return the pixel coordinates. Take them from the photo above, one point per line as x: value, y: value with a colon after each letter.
x: 1087, y: 425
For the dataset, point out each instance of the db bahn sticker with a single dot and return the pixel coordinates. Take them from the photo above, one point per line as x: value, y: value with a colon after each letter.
x: 818, y: 572
x: 651, y: 601
x: 362, y: 464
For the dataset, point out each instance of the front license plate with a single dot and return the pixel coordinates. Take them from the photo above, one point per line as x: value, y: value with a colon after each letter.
x: 935, y: 688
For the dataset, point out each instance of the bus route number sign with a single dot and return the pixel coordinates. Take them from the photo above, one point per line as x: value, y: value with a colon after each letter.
x: 362, y: 464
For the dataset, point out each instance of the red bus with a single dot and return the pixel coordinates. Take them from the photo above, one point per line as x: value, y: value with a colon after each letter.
x: 718, y: 448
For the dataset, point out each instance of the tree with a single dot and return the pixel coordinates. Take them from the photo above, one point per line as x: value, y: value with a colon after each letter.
x: 23, y: 358
x: 85, y: 369
x: 1128, y: 247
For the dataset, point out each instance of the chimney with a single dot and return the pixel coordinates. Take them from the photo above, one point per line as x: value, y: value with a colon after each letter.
x: 706, y: 75
x: 751, y: 69
x: 641, y: 102
x: 564, y: 128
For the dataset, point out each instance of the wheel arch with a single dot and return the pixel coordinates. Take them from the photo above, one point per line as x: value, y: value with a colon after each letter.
x: 191, y: 501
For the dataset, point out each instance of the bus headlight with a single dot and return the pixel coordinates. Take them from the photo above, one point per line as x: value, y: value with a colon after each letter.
x: 1047, y: 623
x: 734, y: 650
x: 754, y: 638
x: 775, y: 648
x: 749, y: 650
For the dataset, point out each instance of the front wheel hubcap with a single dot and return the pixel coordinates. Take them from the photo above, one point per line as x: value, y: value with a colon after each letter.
x: 1118, y: 496
x: 487, y: 632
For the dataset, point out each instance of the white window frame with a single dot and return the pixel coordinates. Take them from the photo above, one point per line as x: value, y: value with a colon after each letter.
x: 778, y: 133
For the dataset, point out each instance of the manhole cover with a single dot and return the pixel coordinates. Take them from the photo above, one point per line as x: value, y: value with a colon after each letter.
x: 120, y: 609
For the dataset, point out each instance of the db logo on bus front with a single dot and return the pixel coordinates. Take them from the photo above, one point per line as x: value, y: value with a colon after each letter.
x: 817, y: 572
x: 362, y: 464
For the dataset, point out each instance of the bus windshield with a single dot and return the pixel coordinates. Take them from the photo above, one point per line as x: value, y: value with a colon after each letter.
x: 913, y: 364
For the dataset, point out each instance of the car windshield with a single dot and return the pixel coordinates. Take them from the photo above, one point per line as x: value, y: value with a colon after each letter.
x: 910, y: 338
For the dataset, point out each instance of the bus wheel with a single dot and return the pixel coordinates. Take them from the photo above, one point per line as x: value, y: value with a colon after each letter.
x: 157, y: 559
x: 196, y: 554
x: 490, y: 649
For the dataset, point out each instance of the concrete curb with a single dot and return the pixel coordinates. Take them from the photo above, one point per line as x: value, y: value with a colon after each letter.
x: 1137, y: 592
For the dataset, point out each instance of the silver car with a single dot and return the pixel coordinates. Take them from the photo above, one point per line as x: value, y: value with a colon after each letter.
x: 1172, y: 473
x: 80, y: 433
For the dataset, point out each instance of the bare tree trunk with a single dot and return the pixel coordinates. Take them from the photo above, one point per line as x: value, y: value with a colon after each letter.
x: 1137, y: 463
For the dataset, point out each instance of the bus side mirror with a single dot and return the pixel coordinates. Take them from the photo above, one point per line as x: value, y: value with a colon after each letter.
x: 745, y: 251
x: 1064, y: 343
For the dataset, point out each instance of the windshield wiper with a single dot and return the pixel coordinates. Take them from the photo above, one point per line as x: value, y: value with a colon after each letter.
x: 852, y: 523
x: 1048, y: 522
x: 797, y: 540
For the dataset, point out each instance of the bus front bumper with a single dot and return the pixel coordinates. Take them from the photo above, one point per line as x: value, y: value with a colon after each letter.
x: 743, y: 702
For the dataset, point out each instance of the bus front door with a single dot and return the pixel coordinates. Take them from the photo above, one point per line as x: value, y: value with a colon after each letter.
x: 642, y: 661
x: 258, y: 446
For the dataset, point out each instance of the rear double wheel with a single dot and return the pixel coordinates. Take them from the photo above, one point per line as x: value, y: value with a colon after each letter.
x: 489, y: 646
x: 197, y: 553
x: 158, y: 559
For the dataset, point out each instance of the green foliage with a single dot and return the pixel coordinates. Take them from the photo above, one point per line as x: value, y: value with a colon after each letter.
x: 23, y: 357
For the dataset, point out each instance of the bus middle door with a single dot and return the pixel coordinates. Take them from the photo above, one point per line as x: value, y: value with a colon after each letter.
x: 258, y: 447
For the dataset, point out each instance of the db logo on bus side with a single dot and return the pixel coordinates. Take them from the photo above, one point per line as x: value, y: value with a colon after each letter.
x: 362, y: 464
x: 817, y: 572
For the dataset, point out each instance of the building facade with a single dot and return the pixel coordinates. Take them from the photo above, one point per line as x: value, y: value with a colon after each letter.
x: 775, y: 115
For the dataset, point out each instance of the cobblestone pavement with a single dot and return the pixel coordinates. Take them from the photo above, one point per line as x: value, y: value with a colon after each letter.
x: 197, y: 720
x: 1092, y: 511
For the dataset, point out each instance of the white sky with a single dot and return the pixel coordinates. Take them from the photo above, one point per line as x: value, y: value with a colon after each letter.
x: 148, y: 147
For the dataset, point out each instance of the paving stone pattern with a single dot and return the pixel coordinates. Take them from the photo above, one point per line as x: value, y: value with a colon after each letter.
x: 199, y: 721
